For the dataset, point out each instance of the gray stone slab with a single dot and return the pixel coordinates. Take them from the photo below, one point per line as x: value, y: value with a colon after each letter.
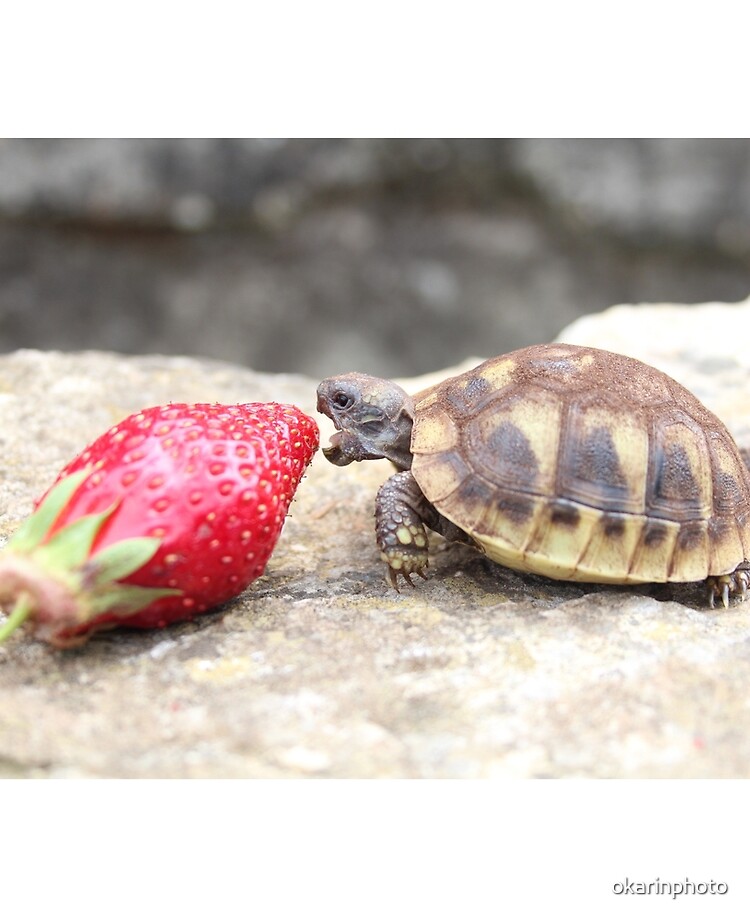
x: 320, y: 670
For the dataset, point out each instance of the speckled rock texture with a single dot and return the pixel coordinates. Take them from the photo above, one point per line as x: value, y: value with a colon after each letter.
x: 321, y: 670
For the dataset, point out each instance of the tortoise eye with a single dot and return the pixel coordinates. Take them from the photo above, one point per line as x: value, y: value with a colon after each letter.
x: 342, y: 400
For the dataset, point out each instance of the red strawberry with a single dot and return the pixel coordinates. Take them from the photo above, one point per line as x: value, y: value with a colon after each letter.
x: 173, y: 511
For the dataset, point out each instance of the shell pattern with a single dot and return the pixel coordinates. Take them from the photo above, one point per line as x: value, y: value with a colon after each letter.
x: 583, y: 465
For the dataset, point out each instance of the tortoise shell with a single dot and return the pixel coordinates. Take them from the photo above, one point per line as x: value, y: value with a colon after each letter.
x: 583, y: 465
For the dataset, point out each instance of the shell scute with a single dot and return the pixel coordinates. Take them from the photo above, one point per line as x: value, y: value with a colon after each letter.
x: 652, y: 556
x: 498, y: 374
x: 561, y: 530
x: 507, y: 523
x: 434, y: 431
x: 611, y: 547
x: 680, y: 471
x: 724, y: 544
x: 604, y: 455
x: 690, y: 558
x: 463, y: 394
x: 513, y: 441
x: 729, y: 496
x: 560, y: 367
x: 444, y: 473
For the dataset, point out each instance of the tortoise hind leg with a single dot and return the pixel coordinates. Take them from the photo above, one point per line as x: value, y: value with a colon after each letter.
x: 724, y: 586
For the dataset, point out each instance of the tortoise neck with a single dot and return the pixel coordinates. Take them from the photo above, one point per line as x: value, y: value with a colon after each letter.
x: 398, y: 451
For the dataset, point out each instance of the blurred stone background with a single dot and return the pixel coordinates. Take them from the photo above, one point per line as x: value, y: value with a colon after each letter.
x: 388, y: 256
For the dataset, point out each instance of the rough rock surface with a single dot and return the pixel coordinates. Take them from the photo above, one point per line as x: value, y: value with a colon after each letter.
x: 320, y: 670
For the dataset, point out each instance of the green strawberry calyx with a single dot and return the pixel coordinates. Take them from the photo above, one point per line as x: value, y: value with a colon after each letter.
x: 57, y: 581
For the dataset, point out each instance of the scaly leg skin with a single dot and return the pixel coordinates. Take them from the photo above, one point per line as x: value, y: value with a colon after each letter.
x: 724, y: 586
x: 399, y: 526
x: 401, y: 514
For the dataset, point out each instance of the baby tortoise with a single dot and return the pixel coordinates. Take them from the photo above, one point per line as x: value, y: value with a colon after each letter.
x: 570, y: 462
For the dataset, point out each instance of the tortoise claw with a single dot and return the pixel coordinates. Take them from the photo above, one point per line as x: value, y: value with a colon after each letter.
x: 726, y: 586
x: 392, y: 577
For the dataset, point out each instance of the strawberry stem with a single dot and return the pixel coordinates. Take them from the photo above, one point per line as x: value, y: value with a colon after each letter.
x: 17, y: 616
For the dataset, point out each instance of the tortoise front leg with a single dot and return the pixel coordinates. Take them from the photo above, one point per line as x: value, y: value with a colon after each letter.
x: 401, y: 513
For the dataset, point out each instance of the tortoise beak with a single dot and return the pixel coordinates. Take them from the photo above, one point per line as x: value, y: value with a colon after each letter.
x: 334, y: 454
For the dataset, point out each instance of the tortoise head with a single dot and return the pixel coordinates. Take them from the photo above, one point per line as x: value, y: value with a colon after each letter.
x: 373, y: 419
